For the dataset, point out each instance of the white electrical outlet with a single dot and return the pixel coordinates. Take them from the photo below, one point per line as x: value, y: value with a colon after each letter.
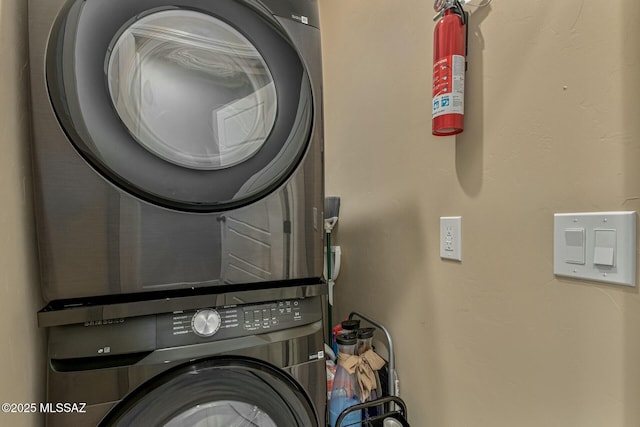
x: 451, y: 237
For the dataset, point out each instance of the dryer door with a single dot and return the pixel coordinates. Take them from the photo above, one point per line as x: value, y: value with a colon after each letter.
x: 196, y: 105
x: 217, y: 393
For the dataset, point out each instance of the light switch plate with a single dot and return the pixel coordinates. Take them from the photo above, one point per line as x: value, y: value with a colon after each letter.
x: 616, y: 244
x: 451, y: 237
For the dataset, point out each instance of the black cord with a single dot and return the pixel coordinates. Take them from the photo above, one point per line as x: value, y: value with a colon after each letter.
x: 461, y: 12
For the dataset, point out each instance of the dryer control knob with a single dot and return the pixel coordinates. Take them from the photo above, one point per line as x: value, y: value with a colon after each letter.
x: 205, y: 322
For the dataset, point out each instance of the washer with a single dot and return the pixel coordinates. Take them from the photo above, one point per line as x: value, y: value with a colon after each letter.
x: 177, y: 144
x: 261, y: 364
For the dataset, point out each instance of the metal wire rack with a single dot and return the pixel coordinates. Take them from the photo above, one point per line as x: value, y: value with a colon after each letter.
x: 392, y: 409
x: 391, y: 417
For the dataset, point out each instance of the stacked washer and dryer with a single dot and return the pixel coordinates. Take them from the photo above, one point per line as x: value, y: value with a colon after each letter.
x: 178, y: 164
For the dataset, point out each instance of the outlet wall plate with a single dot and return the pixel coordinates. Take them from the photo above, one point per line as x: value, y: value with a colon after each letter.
x: 451, y: 237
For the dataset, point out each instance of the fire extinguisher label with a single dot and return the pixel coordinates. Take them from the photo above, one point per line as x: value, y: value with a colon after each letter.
x: 448, y: 86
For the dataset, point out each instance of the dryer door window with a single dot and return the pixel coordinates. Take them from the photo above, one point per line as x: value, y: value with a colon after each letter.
x: 200, y: 106
x: 217, y: 393
x: 179, y: 70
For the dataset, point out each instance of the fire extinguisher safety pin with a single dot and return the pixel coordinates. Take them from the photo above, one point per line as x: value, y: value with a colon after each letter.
x: 441, y: 5
x: 438, y: 5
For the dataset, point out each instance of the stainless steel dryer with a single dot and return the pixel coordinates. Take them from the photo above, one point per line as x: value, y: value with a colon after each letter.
x: 259, y: 365
x: 177, y: 144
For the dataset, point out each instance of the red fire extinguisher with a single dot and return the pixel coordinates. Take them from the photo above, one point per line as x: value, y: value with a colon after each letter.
x: 449, y: 66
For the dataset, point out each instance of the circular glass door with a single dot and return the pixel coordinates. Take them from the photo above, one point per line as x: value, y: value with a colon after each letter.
x: 224, y: 413
x: 217, y: 393
x: 201, y: 107
x: 179, y: 70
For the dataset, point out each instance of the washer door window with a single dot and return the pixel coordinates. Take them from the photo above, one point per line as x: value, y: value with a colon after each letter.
x: 217, y: 393
x: 203, y: 106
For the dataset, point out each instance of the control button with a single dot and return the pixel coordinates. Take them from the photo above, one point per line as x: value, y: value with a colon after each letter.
x: 574, y: 240
x: 205, y: 322
x: 605, y: 244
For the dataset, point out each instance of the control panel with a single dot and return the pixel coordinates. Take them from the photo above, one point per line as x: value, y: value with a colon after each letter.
x: 212, y: 324
x: 206, y: 324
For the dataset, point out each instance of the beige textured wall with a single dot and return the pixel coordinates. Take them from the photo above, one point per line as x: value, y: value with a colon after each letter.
x: 22, y: 350
x: 552, y: 126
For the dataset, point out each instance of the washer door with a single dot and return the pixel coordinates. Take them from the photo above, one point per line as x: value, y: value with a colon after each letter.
x: 217, y: 393
x: 197, y: 105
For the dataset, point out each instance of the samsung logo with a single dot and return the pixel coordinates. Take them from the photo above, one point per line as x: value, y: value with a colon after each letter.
x: 303, y: 19
x: 103, y: 322
x: 316, y: 356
